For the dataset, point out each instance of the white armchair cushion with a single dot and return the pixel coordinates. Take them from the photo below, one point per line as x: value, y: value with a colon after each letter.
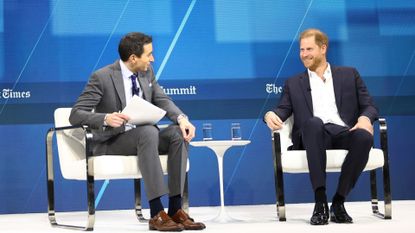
x: 71, y: 148
x: 109, y: 167
x: 295, y: 161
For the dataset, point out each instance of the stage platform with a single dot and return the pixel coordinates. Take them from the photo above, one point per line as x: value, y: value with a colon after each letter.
x: 247, y: 218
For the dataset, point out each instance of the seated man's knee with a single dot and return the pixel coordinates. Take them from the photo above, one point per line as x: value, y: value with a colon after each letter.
x: 363, y: 137
x: 147, y: 132
x: 313, y: 123
x: 175, y: 133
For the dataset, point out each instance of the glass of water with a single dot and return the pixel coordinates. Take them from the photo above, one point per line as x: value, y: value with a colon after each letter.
x: 207, y: 131
x: 236, y: 131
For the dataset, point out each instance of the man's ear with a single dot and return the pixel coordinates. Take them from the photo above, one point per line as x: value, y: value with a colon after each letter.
x: 324, y: 48
x: 131, y: 57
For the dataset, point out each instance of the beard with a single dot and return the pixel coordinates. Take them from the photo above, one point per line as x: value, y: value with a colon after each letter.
x: 312, y: 64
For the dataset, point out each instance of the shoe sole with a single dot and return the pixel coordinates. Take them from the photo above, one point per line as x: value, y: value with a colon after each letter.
x: 315, y: 224
x: 333, y: 219
x: 155, y: 229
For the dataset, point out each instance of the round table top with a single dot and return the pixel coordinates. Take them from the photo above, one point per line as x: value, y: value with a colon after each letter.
x: 220, y: 143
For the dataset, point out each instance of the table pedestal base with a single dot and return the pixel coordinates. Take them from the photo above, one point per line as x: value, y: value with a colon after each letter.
x: 223, y: 217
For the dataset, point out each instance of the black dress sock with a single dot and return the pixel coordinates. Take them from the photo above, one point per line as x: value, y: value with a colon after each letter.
x: 175, y: 203
x: 155, y: 206
x: 320, y: 195
x: 338, y: 199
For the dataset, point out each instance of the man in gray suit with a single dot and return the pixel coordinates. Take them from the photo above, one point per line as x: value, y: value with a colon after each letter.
x: 107, y: 92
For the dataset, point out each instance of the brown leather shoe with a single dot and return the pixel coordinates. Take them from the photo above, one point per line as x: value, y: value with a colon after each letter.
x: 163, y: 222
x: 181, y: 217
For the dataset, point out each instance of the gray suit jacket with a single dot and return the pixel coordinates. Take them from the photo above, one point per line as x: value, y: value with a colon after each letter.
x: 104, y: 93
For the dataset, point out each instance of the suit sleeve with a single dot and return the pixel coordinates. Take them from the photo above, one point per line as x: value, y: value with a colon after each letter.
x: 82, y: 112
x: 284, y: 108
x: 366, y: 106
x: 163, y: 101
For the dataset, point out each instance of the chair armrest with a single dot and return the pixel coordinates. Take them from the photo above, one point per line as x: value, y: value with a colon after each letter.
x: 163, y: 126
x: 383, y: 131
x: 87, y: 132
x: 384, y: 138
x: 52, y: 131
x: 66, y: 127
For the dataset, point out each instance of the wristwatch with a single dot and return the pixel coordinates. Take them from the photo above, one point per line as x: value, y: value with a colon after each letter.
x: 181, y: 117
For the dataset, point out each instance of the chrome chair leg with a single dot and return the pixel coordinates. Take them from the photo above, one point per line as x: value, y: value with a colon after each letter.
x: 50, y: 186
x: 279, y: 179
x: 185, y: 201
x: 386, y: 177
x: 138, y: 207
x: 374, y: 192
x: 386, y: 172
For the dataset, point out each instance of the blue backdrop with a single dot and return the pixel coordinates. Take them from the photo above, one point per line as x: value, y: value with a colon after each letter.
x: 231, y: 57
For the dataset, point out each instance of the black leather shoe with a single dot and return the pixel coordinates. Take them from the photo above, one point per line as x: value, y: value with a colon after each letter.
x: 338, y: 214
x: 320, y: 214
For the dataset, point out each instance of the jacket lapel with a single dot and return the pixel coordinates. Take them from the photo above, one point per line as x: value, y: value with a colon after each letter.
x: 144, y: 86
x: 337, y: 85
x: 145, y: 83
x: 119, y: 83
x: 305, y: 86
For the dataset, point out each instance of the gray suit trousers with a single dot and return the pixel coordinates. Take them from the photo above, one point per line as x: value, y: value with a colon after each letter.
x: 148, y: 142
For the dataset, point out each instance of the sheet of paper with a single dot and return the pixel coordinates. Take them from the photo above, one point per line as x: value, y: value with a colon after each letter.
x: 142, y: 112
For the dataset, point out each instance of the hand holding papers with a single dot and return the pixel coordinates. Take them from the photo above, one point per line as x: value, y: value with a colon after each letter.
x: 142, y: 112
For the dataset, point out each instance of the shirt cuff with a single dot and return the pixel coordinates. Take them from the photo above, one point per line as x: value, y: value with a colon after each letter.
x: 105, y: 120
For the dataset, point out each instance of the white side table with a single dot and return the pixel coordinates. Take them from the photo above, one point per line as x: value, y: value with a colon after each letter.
x: 220, y: 147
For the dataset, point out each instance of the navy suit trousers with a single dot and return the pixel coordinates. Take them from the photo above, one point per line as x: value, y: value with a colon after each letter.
x: 316, y: 137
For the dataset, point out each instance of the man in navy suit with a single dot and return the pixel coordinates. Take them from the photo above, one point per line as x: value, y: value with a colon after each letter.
x: 332, y: 110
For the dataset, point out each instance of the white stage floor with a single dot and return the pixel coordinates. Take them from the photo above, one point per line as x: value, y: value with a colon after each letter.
x: 258, y: 218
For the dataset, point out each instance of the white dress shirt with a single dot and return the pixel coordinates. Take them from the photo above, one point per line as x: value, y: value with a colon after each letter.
x: 323, y: 98
x: 128, y: 86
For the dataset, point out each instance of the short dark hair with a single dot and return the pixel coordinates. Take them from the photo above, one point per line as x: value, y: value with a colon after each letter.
x: 133, y: 43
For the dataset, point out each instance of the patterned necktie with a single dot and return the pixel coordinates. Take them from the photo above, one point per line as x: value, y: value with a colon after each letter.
x: 135, y: 89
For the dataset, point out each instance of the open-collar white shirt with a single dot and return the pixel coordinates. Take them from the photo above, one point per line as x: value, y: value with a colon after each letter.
x: 323, y: 98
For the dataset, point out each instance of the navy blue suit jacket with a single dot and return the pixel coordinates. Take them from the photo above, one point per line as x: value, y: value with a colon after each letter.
x: 352, y: 100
